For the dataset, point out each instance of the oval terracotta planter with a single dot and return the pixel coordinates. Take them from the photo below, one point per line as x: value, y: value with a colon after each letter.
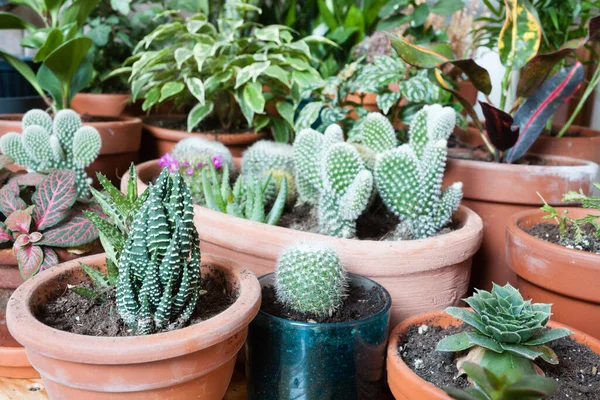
x: 100, y: 104
x: 551, y: 273
x: 495, y: 191
x: 159, y: 141
x: 579, y: 142
x: 193, y: 362
x: 421, y: 275
x: 121, y: 140
x: 406, y: 385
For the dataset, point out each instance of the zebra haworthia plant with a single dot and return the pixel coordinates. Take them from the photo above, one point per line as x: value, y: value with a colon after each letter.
x: 507, y: 332
x: 63, y: 144
x: 159, y: 267
x: 51, y: 220
x: 409, y: 177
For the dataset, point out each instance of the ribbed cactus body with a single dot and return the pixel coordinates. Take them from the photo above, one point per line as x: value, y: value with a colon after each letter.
x: 309, y: 277
x: 60, y: 144
x: 409, y: 177
x: 159, y: 267
x: 266, y: 155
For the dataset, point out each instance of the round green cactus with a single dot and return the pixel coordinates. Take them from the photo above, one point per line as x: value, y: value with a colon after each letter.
x: 377, y: 133
x: 37, y: 117
x: 309, y: 277
x: 86, y: 146
x: 266, y: 155
x: 197, y: 149
x: 66, y: 123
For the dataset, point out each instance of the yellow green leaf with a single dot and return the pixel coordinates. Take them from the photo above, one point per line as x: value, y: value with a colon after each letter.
x: 520, y: 37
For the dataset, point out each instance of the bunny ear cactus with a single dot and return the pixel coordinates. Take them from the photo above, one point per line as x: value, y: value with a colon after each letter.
x: 52, y: 220
x: 62, y: 144
x: 508, y: 332
x: 309, y: 277
x: 409, y: 177
x: 377, y: 135
x: 159, y: 267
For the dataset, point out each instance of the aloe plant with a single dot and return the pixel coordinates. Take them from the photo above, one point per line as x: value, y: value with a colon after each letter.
x: 511, y: 128
x: 53, y: 219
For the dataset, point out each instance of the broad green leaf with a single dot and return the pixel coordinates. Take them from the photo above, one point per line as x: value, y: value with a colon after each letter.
x: 548, y: 336
x: 269, y: 33
x: 198, y: 113
x: 418, y: 56
x: 100, y: 35
x: 385, y: 101
x: 308, y: 115
x: 50, y: 83
x: 182, y: 54
x: 319, y: 40
x: 249, y: 72
x: 286, y: 110
x: 278, y: 73
x: 196, y: 87
x: 151, y: 98
x: 24, y: 70
x: 281, y: 131
x: 121, y: 6
x: 211, y: 84
x: 446, y: 8
x: 53, y: 41
x: 201, y: 52
x: 12, y: 21
x: 454, y: 343
x: 254, y: 97
x: 170, y: 89
x: 520, y: 36
x: 247, y: 110
x: 78, y: 13
x: 64, y: 61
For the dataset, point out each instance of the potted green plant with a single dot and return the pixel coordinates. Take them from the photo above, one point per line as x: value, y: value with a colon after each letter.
x: 66, y: 68
x: 503, y: 334
x: 560, y: 263
x: 320, y: 332
x: 498, y: 174
x: 343, y: 192
x: 240, y: 79
x: 178, y: 326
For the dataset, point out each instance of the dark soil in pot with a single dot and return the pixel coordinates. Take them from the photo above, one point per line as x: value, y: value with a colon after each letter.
x: 551, y: 233
x: 180, y: 124
x: 577, y: 374
x: 463, y: 151
x: 361, y: 303
x: 95, y: 317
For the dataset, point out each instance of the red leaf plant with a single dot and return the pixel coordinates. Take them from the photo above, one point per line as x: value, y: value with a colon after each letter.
x: 51, y: 220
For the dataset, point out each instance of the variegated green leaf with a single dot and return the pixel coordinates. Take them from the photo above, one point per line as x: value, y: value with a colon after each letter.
x: 520, y: 37
x: 196, y: 88
x: 385, y: 101
x: 249, y: 72
x: 308, y: 115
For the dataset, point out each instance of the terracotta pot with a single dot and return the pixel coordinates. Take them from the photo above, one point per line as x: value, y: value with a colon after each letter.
x: 421, y: 275
x: 551, y: 273
x: 467, y: 90
x: 121, y: 139
x: 100, y: 104
x: 193, y: 362
x: 159, y: 141
x: 406, y: 385
x: 495, y: 191
x: 369, y: 100
x: 13, y: 360
x: 579, y: 142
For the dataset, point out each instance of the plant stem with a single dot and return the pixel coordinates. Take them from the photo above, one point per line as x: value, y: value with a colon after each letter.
x: 505, y: 87
x: 588, y: 91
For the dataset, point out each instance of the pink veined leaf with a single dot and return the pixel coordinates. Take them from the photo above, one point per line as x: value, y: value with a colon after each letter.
x: 10, y: 200
x: 20, y: 241
x: 5, y: 234
x: 74, y: 231
x: 54, y: 197
x: 28, y: 179
x: 35, y: 237
x: 30, y: 259
x: 20, y: 220
x: 50, y: 259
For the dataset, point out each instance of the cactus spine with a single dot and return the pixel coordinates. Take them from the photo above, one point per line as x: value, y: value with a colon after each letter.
x: 159, y: 267
x: 60, y: 144
x: 309, y: 277
x: 409, y: 177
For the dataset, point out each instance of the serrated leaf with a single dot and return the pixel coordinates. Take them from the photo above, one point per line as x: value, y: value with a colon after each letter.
x: 29, y: 258
x: 99, y: 280
x: 85, y: 292
x: 53, y: 199
x: 110, y: 208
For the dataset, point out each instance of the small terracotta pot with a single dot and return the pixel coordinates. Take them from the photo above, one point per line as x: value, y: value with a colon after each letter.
x: 369, y: 100
x: 551, y: 273
x: 159, y: 141
x: 121, y: 139
x: 193, y: 362
x: 421, y: 275
x: 406, y: 385
x: 467, y: 90
x: 495, y: 191
x: 100, y: 104
x: 13, y: 360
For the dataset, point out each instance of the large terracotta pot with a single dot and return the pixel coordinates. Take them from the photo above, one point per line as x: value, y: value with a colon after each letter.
x: 579, y: 142
x: 13, y: 360
x: 421, y: 275
x: 551, y: 273
x: 495, y: 191
x: 193, y: 362
x: 159, y: 141
x: 100, y: 104
x: 406, y: 385
x: 121, y: 139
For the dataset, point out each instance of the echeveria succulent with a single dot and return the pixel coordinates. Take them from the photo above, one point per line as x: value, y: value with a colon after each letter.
x: 507, y: 330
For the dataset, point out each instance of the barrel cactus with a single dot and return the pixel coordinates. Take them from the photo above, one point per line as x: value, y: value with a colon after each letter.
x: 507, y: 332
x: 159, y: 267
x: 309, y: 278
x: 409, y: 177
x: 63, y: 144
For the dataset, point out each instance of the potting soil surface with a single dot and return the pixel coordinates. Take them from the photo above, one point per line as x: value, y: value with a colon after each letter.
x: 77, y: 314
x: 359, y: 304
x: 551, y: 233
x: 463, y: 151
x: 180, y: 124
x: 577, y: 373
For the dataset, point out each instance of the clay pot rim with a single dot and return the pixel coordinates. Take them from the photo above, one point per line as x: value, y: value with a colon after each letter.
x: 582, y: 259
x: 116, y: 96
x: 396, y: 365
x: 584, y: 165
x: 123, y: 120
x: 333, y: 325
x: 472, y: 226
x: 134, y: 349
x: 227, y: 138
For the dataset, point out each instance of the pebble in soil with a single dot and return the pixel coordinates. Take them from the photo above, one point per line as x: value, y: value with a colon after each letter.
x: 551, y: 233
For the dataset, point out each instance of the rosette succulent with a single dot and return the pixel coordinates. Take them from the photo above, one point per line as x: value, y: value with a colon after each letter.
x: 507, y: 333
